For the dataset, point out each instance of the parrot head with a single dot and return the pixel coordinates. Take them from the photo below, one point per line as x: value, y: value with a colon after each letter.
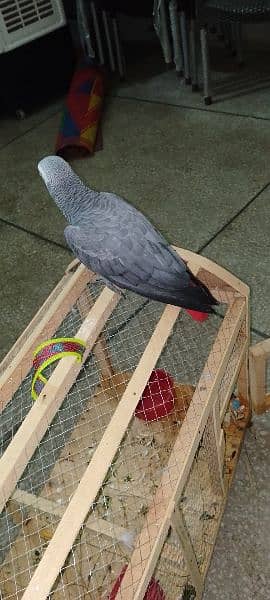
x: 63, y: 185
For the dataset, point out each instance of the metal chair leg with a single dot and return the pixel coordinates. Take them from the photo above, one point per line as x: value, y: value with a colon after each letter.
x: 184, y: 35
x: 176, y: 37
x: 205, y: 66
x: 97, y: 33
x: 193, y: 52
x: 84, y: 29
x: 119, y: 53
x: 165, y: 35
x: 108, y: 40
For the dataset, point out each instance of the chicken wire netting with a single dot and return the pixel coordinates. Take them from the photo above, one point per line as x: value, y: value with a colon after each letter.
x: 105, y: 543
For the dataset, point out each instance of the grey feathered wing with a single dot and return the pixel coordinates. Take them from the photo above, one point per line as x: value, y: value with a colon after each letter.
x: 142, y: 262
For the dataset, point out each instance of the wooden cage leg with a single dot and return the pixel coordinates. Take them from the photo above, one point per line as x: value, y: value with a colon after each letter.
x: 85, y: 302
x: 178, y: 525
x: 257, y: 377
x: 243, y: 380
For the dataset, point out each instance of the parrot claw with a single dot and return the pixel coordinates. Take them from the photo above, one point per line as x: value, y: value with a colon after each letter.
x: 113, y: 287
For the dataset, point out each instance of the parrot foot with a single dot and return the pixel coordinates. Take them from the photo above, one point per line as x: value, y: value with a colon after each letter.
x: 112, y: 287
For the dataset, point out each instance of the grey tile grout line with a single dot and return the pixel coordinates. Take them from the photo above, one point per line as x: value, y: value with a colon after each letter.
x: 17, y: 137
x: 187, y: 107
x: 261, y: 334
x: 146, y: 101
x: 245, y: 207
x: 33, y: 233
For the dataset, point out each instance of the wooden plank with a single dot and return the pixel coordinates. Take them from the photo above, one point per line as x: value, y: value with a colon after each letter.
x: 215, y: 457
x: 243, y: 388
x: 41, y: 504
x: 76, y: 512
x: 154, y: 531
x: 100, y: 351
x: 231, y: 384
x: 178, y: 524
x: 18, y: 361
x: 34, y: 426
x: 261, y: 348
x: 215, y: 269
x: 222, y: 445
x: 257, y: 378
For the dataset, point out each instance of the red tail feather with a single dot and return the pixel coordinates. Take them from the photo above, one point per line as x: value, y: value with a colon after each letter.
x: 198, y: 316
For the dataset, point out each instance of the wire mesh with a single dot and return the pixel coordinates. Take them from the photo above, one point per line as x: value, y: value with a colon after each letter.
x: 106, y: 539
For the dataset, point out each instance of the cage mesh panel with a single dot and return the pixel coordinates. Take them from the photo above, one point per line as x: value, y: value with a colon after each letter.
x: 106, y: 539
x: 171, y: 571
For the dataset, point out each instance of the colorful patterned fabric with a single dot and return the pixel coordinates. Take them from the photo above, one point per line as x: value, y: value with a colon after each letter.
x: 47, y: 353
x: 81, y: 116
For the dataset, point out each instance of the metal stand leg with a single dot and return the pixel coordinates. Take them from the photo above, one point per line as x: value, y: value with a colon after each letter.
x: 108, y: 40
x: 205, y: 66
x: 119, y: 54
x: 184, y: 34
x: 165, y: 33
x: 176, y: 37
x: 84, y: 29
x: 194, y: 61
x: 97, y: 33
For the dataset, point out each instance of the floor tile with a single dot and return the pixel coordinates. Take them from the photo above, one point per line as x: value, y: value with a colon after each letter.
x: 188, y: 171
x: 244, y: 248
x: 12, y: 128
x: 29, y: 269
x: 244, y: 91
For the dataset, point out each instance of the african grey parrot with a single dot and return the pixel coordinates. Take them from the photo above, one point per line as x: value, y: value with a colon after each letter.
x: 116, y: 241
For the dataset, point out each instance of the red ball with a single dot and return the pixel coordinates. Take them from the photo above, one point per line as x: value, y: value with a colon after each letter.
x: 157, y: 400
x: 153, y: 592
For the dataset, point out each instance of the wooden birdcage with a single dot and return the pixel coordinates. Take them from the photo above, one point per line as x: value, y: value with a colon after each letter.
x: 98, y: 500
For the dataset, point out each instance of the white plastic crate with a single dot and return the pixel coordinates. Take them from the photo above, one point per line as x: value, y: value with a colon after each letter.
x: 21, y: 21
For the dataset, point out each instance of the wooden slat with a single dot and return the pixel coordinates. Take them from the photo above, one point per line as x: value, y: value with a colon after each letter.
x: 85, y: 302
x: 262, y: 349
x: 222, y: 445
x: 154, y: 531
x: 231, y: 384
x: 215, y: 269
x: 257, y: 378
x: 98, y: 525
x: 215, y: 456
x: 34, y: 426
x: 243, y: 388
x: 180, y: 529
x: 87, y: 490
x: 18, y: 361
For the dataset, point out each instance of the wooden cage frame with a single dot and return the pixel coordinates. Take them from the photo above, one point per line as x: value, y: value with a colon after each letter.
x: 164, y: 511
x: 258, y: 356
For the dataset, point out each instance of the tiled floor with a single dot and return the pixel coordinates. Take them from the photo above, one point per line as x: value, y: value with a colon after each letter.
x: 203, y: 177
